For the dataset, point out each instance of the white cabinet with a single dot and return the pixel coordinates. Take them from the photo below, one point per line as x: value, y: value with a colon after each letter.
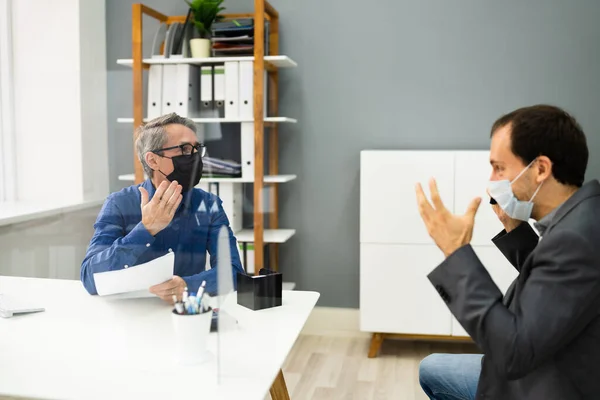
x: 396, y: 295
x: 397, y: 254
x: 389, y: 211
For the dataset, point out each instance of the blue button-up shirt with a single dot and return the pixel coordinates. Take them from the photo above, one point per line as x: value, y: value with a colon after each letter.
x: 120, y: 239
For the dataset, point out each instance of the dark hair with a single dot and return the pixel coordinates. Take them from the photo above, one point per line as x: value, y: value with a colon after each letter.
x: 544, y: 130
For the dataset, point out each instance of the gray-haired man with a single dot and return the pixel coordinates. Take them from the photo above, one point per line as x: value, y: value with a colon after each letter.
x: 164, y: 213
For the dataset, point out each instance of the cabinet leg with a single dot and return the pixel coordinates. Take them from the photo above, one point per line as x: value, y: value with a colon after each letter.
x: 279, y: 389
x: 376, y: 341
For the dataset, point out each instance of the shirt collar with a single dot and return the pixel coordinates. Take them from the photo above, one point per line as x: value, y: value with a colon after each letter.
x: 545, y: 222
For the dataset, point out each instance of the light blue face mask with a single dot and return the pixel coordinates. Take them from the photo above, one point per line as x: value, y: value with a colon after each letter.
x: 502, y: 192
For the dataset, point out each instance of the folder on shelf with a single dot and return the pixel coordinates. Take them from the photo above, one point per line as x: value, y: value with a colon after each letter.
x: 209, y: 131
x: 232, y: 89
x: 188, y: 91
x: 206, y: 91
x: 181, y: 42
x: 170, y: 78
x: 155, y: 75
x: 246, y: 90
x: 169, y: 88
x: 247, y: 150
x: 155, y: 82
x: 173, y: 32
x: 219, y: 91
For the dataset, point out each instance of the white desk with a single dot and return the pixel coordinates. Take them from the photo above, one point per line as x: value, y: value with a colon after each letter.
x: 85, y: 347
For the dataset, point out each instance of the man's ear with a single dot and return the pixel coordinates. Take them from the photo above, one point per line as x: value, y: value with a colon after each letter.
x: 544, y: 168
x: 152, y: 160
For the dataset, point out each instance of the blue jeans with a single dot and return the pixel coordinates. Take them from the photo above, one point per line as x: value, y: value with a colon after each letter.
x: 450, y: 376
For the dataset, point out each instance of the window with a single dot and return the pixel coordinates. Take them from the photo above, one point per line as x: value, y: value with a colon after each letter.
x: 7, y: 170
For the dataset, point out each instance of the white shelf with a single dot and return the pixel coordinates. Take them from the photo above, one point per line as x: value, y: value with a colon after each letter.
x: 221, y: 120
x: 269, y: 235
x: 278, y: 61
x: 267, y: 179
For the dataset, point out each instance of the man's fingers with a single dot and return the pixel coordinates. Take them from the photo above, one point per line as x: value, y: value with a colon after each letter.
x: 168, y: 193
x: 144, y: 194
x: 175, y: 205
x: 473, y: 207
x: 165, y: 287
x: 435, y: 195
x: 160, y: 191
x: 425, y: 208
x: 161, y: 286
x: 173, y: 198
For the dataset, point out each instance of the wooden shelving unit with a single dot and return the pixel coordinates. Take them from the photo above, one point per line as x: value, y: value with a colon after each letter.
x: 259, y: 235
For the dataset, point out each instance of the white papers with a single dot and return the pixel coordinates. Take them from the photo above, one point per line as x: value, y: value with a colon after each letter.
x: 130, y: 295
x: 137, y: 278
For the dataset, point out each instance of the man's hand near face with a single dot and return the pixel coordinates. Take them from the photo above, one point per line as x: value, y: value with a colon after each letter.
x: 449, y: 231
x: 158, y: 212
x: 508, y: 222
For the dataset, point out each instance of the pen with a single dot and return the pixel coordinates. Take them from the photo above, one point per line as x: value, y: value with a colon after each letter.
x: 192, y: 302
x: 178, y: 305
x: 201, y: 294
x: 185, y: 295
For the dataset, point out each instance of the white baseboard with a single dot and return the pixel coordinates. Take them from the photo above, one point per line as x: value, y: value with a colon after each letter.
x: 331, y: 321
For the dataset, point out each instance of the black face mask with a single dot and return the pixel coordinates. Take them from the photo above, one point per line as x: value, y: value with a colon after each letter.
x: 187, y: 171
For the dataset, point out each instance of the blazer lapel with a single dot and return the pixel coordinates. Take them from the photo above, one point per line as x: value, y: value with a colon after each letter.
x: 590, y: 189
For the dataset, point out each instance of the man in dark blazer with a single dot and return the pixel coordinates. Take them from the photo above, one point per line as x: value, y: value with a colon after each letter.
x: 542, y: 339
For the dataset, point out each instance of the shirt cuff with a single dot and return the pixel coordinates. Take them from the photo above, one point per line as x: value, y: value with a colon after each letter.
x: 139, y: 235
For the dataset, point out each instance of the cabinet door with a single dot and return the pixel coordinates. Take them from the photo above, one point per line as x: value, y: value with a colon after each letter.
x: 395, y: 294
x: 472, y: 174
x: 388, y: 205
x: 501, y: 271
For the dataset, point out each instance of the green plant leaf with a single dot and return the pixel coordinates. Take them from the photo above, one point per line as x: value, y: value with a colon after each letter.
x: 205, y: 13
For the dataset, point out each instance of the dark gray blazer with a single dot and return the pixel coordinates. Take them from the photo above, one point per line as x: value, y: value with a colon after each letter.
x: 541, y: 340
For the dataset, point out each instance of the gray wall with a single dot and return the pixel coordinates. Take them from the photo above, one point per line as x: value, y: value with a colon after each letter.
x: 390, y: 74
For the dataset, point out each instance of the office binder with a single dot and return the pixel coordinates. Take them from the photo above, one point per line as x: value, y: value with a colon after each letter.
x: 246, y: 90
x: 170, y: 79
x: 219, y: 91
x: 169, y: 89
x: 170, y: 39
x: 247, y: 150
x: 206, y: 92
x: 188, y: 91
x: 231, y: 194
x: 155, y: 75
x: 232, y: 89
x: 155, y: 81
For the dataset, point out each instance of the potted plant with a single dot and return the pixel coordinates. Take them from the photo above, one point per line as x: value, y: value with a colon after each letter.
x: 205, y: 13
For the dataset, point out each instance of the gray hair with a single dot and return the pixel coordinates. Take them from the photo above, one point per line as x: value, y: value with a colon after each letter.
x: 153, y: 136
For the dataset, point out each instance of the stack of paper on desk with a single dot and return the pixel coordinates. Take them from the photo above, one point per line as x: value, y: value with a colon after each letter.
x: 136, y: 279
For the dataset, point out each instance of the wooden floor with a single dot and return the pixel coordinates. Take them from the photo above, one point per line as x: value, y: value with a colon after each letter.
x: 331, y: 368
x: 322, y: 367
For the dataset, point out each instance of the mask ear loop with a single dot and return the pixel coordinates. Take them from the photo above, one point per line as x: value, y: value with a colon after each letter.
x: 536, y: 192
x: 522, y: 172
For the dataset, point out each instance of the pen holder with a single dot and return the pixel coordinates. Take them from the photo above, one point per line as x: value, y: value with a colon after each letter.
x: 260, y: 291
x: 191, y: 336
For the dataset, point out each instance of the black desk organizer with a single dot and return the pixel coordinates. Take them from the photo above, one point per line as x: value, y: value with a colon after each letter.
x: 263, y: 291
